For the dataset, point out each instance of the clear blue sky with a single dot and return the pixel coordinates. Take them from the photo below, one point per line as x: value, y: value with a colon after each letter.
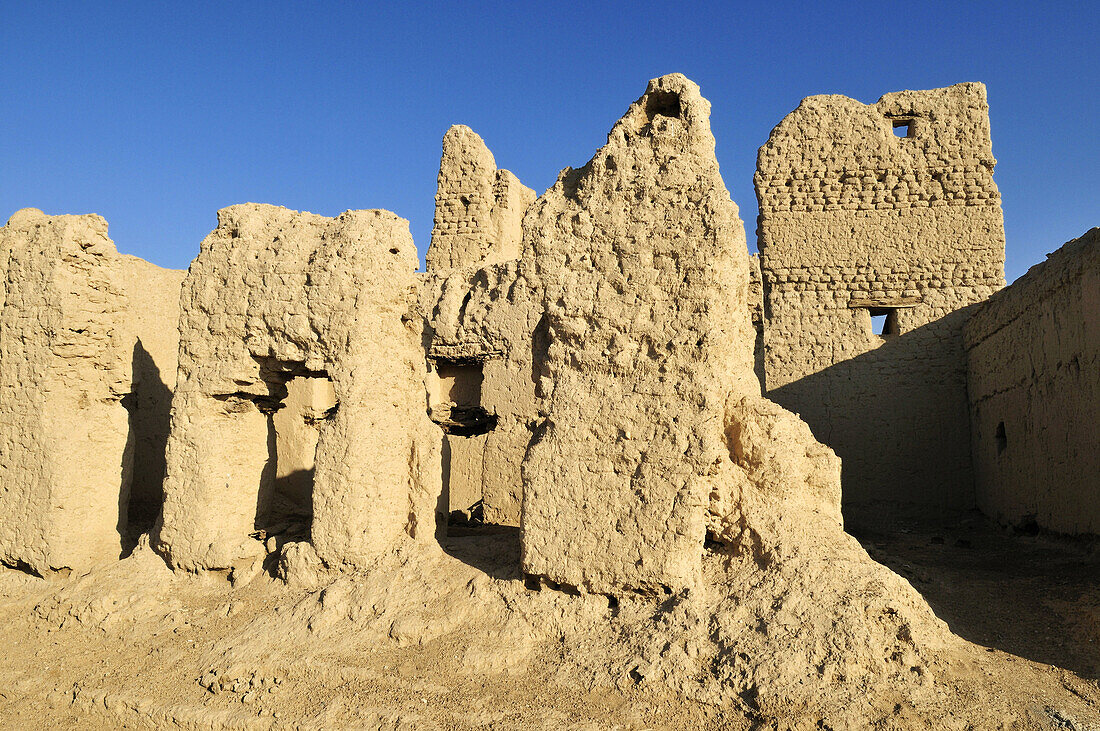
x: 157, y: 114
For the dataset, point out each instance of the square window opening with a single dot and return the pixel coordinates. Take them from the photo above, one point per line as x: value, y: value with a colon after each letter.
x: 884, y: 321
x: 903, y: 127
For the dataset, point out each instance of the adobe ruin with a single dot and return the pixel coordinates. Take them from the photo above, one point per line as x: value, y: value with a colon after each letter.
x: 275, y: 296
x: 481, y: 319
x: 65, y: 368
x: 586, y: 367
x: 87, y: 359
x: 884, y: 211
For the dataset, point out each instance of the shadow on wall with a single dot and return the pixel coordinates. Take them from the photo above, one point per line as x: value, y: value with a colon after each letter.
x: 150, y: 406
x: 898, y: 418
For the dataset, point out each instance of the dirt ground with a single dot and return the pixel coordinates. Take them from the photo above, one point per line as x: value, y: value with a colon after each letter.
x: 131, y: 646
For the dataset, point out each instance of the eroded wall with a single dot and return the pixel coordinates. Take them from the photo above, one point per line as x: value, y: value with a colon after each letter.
x: 1033, y: 355
x: 647, y: 336
x: 65, y: 367
x: 478, y: 208
x: 857, y: 221
x: 275, y: 295
x: 482, y: 320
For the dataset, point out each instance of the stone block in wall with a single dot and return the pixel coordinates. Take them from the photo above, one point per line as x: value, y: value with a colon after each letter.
x: 65, y: 368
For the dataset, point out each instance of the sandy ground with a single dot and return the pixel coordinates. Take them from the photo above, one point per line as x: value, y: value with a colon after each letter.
x: 131, y: 646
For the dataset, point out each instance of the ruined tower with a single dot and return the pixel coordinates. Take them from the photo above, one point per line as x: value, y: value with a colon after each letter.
x: 879, y: 224
x: 66, y: 453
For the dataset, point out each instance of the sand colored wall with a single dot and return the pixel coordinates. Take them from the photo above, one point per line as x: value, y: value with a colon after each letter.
x: 273, y: 295
x: 65, y: 367
x: 647, y: 336
x: 853, y: 219
x: 478, y: 208
x: 488, y: 319
x: 481, y: 317
x: 153, y: 294
x: 1034, y: 381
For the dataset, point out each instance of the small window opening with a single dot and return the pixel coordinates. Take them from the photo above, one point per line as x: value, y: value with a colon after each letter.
x: 1002, y: 440
x: 903, y: 127
x: 663, y: 103
x: 884, y: 321
x: 455, y: 401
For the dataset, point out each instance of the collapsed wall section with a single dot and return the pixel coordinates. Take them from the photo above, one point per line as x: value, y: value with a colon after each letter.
x: 276, y: 295
x: 65, y: 367
x: 481, y: 327
x: 641, y: 263
x: 878, y: 225
x: 1033, y: 355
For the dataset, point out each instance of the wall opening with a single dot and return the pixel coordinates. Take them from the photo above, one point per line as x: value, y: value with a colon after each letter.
x: 296, y: 407
x: 902, y: 127
x: 454, y: 403
x: 309, y: 402
x: 884, y: 321
x: 455, y: 398
x: 1001, y: 438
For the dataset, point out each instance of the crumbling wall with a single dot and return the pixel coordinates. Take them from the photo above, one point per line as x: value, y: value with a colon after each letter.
x: 756, y: 308
x: 1033, y: 357
x: 153, y: 296
x: 481, y: 323
x: 655, y: 436
x: 65, y: 367
x: 478, y: 208
x: 276, y: 295
x: 647, y: 337
x: 855, y: 222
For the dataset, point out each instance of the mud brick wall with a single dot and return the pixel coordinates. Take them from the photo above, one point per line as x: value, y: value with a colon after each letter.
x: 1033, y: 357
x: 886, y: 210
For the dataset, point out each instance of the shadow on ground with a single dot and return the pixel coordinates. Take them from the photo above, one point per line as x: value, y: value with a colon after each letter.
x: 1035, y: 596
x: 493, y: 549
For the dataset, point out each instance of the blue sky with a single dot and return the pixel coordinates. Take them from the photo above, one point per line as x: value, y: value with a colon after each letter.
x: 156, y: 114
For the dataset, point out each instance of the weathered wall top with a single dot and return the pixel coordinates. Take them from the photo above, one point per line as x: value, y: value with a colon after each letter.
x: 833, y: 153
x: 478, y: 209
